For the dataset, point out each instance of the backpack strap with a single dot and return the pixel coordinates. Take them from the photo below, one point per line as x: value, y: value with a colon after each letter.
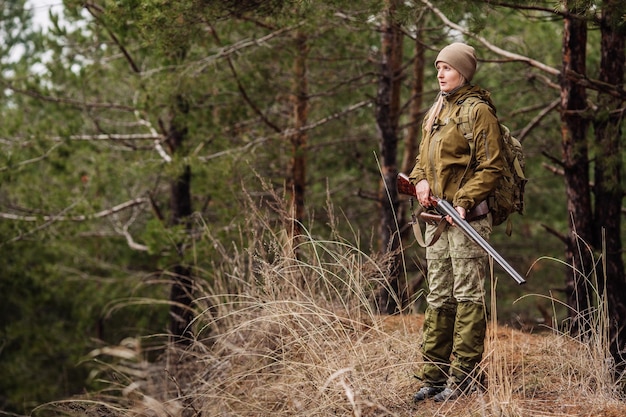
x: 466, y: 124
x: 464, y: 117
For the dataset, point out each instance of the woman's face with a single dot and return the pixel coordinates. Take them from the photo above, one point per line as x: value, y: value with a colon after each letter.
x: 448, y: 77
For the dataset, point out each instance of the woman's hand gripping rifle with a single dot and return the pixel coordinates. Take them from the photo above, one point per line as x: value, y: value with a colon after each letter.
x: 445, y: 208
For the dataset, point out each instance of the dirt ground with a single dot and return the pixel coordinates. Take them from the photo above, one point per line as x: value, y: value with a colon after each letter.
x: 545, y: 392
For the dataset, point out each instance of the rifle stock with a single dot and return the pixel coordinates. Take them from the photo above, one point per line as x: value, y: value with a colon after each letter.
x: 445, y: 208
x: 405, y: 186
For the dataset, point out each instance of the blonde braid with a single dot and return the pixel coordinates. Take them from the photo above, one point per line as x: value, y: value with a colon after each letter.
x: 433, y: 113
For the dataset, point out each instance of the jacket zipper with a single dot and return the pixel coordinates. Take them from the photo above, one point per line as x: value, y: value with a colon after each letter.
x: 431, y: 159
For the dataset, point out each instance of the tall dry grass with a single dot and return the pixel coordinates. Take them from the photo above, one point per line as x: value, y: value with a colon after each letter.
x: 283, y: 335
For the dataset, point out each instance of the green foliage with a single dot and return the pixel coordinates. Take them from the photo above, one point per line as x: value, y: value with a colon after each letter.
x: 59, y: 308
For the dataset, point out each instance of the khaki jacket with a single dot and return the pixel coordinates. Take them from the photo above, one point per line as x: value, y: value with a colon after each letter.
x: 445, y: 159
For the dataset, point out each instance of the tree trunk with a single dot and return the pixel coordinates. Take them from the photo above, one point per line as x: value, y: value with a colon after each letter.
x: 411, y: 140
x: 296, y: 177
x: 576, y: 168
x: 608, y: 188
x: 393, y: 297
x: 181, y: 291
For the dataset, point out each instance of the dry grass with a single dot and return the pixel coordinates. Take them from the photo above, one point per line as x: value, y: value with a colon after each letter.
x: 280, y: 335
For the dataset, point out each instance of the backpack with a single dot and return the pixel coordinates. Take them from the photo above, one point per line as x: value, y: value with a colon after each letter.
x: 508, y: 197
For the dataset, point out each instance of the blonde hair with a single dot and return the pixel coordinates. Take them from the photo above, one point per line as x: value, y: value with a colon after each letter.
x: 435, y: 109
x: 433, y: 113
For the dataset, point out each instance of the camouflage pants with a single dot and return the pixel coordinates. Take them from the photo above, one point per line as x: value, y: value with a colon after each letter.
x: 455, y: 323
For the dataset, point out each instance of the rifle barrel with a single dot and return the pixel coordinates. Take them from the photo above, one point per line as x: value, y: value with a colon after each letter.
x: 446, y: 208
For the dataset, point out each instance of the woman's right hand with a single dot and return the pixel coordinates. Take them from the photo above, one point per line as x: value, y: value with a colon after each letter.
x: 422, y: 191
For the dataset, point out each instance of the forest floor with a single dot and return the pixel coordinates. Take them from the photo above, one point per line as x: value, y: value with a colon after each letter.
x: 284, y: 357
x: 546, y: 383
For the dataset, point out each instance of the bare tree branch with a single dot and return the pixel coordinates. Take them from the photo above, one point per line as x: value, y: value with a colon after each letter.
x: 552, y: 231
x: 310, y: 126
x: 237, y: 47
x: 63, y: 100
x: 123, y: 230
x: 30, y: 161
x: 597, y: 85
x: 535, y: 121
x: 92, y: 8
x: 336, y: 115
x: 552, y: 169
x: 51, y: 219
x: 48, y: 221
x: 157, y: 141
x: 580, y: 79
x: 558, y: 171
x: 241, y: 88
x: 113, y: 137
x: 511, y: 56
x: 535, y: 8
x: 81, y: 218
x: 546, y: 80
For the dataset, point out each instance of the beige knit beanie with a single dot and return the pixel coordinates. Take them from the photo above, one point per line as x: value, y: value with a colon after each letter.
x: 461, y: 57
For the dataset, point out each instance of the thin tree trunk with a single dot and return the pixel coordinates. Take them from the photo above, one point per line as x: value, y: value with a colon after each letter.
x: 181, y: 291
x: 576, y: 169
x: 387, y: 115
x: 608, y: 181
x: 411, y: 140
x: 296, y: 177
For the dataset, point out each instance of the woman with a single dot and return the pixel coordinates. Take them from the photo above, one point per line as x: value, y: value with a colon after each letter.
x: 463, y: 170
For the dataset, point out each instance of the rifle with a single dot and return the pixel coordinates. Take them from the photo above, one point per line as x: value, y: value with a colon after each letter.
x: 445, y: 208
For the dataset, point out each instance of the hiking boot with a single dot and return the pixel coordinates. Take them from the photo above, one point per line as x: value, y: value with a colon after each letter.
x: 447, y: 394
x: 427, y: 392
x: 453, y: 392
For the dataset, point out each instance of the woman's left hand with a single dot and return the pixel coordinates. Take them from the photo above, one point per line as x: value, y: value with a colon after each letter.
x: 462, y: 212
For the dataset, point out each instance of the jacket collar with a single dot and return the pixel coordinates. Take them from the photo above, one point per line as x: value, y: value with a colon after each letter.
x: 461, y: 93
